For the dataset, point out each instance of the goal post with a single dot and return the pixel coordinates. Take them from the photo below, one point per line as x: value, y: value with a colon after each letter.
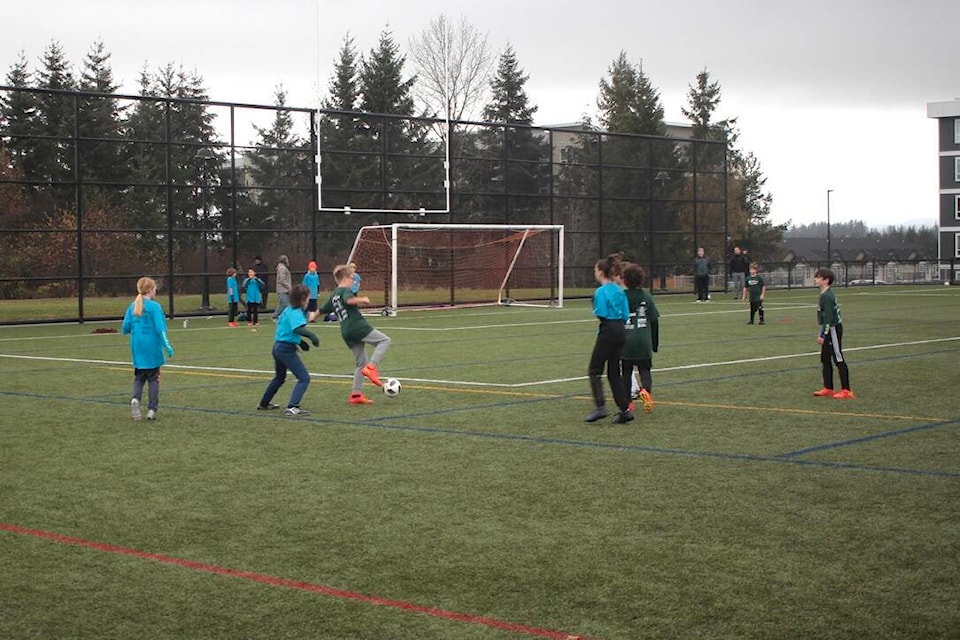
x: 440, y: 265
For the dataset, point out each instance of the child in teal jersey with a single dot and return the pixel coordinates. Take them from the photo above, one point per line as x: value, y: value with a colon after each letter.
x: 233, y: 296
x: 311, y: 280
x: 356, y: 332
x: 355, y: 286
x: 255, y: 288
x: 611, y: 309
x: 146, y: 325
x: 289, y: 334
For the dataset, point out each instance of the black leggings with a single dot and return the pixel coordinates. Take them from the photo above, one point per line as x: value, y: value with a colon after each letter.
x: 606, y: 353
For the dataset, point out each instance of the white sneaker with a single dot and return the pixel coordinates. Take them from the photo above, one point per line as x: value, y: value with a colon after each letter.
x: 135, y: 409
x: 151, y: 415
x: 296, y: 411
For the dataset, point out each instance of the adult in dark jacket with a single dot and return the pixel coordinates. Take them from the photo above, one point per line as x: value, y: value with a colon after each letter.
x: 701, y: 276
x: 739, y: 268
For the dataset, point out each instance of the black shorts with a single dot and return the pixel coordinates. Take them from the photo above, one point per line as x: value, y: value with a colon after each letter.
x: 146, y: 375
x: 312, y: 305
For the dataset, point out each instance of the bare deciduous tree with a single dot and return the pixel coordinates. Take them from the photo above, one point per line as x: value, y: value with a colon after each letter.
x: 454, y: 65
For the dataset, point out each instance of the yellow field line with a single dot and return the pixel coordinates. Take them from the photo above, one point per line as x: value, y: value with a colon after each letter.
x: 524, y: 394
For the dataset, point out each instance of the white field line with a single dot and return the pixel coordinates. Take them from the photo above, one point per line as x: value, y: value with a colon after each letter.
x: 499, y: 385
x: 475, y: 327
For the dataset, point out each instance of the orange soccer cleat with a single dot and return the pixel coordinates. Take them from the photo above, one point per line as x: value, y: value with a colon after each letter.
x: 370, y: 372
x: 824, y: 393
x: 359, y: 398
x: 844, y: 394
x: 646, y: 400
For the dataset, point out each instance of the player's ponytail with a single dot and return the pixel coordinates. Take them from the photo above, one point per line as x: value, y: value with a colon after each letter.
x: 144, y: 286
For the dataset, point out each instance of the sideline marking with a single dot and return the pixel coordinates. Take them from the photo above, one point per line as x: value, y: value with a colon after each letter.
x: 502, y: 389
x: 274, y: 581
x: 501, y: 385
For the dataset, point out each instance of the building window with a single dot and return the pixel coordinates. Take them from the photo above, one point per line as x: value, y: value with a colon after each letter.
x: 956, y: 169
x: 956, y: 245
x: 956, y: 131
x: 956, y: 207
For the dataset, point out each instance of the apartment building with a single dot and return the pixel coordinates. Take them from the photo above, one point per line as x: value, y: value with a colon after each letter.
x: 947, y: 115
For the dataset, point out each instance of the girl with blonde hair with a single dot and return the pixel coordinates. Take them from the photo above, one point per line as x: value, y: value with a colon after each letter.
x: 146, y: 325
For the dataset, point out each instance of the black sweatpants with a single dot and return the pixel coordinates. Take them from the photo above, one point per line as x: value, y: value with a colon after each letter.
x: 611, y: 338
x: 831, y: 351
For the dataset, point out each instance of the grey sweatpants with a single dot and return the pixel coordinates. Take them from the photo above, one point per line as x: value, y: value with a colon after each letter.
x: 380, y: 342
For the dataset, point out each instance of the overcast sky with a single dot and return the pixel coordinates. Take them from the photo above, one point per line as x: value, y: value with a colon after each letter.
x: 828, y: 94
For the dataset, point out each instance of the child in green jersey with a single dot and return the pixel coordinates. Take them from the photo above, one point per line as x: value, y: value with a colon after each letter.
x: 356, y: 332
x: 830, y: 338
x: 755, y: 289
x: 643, y: 333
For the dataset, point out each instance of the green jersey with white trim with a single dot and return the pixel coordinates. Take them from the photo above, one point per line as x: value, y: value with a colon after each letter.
x: 642, y: 327
x: 353, y: 326
x: 828, y: 311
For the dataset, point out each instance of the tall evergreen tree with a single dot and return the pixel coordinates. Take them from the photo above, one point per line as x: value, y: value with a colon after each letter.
x: 628, y: 101
x: 509, y: 102
x: 339, y: 135
x: 702, y: 102
x: 56, y: 118
x: 520, y: 155
x: 748, y: 211
x: 19, y: 119
x: 145, y: 132
x: 401, y: 176
x: 100, y: 120
x: 280, y: 162
x: 381, y: 80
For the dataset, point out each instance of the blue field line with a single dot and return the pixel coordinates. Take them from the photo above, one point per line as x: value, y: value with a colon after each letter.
x: 379, y: 423
x: 738, y: 376
x: 870, y: 438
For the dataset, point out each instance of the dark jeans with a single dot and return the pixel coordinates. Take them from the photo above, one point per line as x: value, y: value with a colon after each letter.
x: 285, y: 359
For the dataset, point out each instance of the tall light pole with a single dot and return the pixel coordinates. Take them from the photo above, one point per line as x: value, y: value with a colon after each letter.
x: 829, y: 254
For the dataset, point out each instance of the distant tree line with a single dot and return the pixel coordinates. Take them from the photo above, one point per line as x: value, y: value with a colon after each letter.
x: 923, y: 237
x: 132, y: 151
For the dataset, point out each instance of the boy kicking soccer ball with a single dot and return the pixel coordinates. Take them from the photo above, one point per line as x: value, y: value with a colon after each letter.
x: 356, y: 332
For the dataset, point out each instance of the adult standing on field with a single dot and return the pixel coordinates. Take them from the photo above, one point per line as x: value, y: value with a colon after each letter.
x: 739, y: 268
x: 701, y: 275
x: 284, y: 284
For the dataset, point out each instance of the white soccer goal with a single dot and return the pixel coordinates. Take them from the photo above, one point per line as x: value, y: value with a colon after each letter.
x: 438, y: 265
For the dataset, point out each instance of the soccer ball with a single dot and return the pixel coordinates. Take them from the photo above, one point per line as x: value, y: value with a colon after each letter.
x: 392, y: 387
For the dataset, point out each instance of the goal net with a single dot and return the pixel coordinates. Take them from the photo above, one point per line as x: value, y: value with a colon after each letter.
x: 423, y: 265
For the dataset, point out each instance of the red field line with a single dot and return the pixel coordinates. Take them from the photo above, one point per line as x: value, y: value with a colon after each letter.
x: 274, y: 581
